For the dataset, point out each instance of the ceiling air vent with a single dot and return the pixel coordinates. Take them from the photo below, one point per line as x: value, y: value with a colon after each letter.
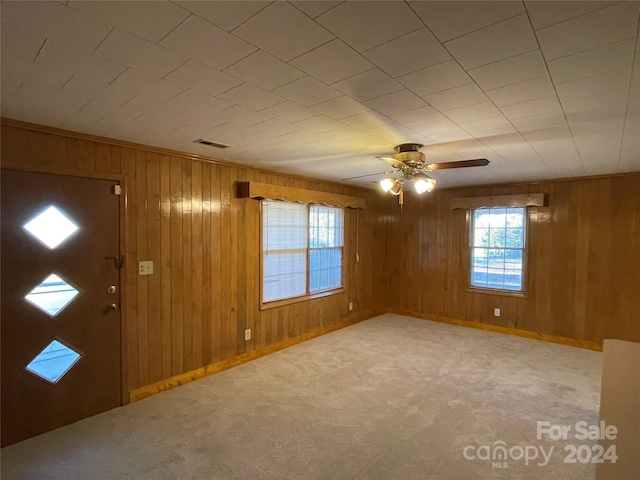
x: 211, y: 144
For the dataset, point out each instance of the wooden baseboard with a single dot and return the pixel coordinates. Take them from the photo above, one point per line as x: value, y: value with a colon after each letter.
x: 500, y: 329
x: 177, y: 380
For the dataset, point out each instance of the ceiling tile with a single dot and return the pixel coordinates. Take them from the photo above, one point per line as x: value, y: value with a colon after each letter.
x: 547, y: 105
x: 319, y: 124
x: 367, y: 85
x: 226, y: 14
x: 202, y: 78
x: 191, y: 101
x: 592, y: 62
x: 55, y: 21
x: 396, y: 102
x: 419, y: 116
x: 435, y: 79
x: 206, y: 43
x: 340, y: 107
x: 545, y: 13
x: 264, y: 71
x: 149, y: 20
x: 510, y: 71
x: 307, y: 91
x: 70, y: 69
x: 19, y: 49
x: 502, y: 40
x: 409, y: 53
x: 488, y: 127
x: 472, y: 112
x: 283, y: 31
x: 239, y: 116
x: 602, y: 27
x: 395, y: 133
x: 313, y: 8
x: 606, y: 105
x: 132, y: 51
x: 453, y: 19
x: 437, y: 127
x: 367, y: 24
x: 451, y: 136
x: 251, y: 97
x: 289, y: 112
x: 456, y: 97
x: 595, y: 85
x: 332, y: 62
x: 521, y: 92
x: 364, y: 121
x: 538, y: 122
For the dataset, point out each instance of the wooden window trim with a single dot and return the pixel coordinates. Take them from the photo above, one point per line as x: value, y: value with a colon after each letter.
x: 265, y: 191
x: 506, y: 201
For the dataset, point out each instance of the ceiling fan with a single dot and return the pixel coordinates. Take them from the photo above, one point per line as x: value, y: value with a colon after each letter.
x: 409, y: 164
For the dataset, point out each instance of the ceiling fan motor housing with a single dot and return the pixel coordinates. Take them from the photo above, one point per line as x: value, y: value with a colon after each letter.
x: 410, y: 154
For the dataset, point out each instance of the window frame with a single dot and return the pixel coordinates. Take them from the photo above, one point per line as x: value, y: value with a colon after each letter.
x: 308, y: 295
x: 469, y: 257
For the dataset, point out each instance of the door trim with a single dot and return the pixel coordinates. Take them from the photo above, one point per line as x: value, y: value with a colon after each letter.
x: 122, y: 243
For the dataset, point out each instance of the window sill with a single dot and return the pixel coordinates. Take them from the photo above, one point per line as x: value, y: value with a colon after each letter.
x: 491, y: 291
x: 290, y: 301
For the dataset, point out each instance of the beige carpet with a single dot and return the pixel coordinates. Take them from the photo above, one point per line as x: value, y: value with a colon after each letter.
x: 390, y: 398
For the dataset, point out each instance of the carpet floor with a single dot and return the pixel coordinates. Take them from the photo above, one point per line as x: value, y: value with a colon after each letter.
x: 392, y: 398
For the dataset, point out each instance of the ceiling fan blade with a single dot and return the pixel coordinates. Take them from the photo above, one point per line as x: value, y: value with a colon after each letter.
x: 478, y: 162
x: 368, y: 175
x: 391, y: 161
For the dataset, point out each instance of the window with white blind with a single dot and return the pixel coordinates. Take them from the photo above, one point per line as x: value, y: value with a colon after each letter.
x: 301, y: 249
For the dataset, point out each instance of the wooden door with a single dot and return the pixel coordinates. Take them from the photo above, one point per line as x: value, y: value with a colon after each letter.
x: 61, y: 358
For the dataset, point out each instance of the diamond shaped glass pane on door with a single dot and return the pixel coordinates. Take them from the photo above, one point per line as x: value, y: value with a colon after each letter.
x: 53, y: 362
x: 52, y: 295
x: 51, y: 227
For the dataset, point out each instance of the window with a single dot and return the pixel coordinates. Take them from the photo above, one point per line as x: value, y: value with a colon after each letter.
x: 301, y: 249
x: 498, y: 248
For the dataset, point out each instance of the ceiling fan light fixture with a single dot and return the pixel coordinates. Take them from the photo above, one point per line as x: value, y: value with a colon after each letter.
x: 387, y: 183
x: 423, y: 183
x: 396, y: 188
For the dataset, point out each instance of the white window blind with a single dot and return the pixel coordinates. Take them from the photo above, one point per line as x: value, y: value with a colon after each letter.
x: 302, y: 249
x: 284, y: 249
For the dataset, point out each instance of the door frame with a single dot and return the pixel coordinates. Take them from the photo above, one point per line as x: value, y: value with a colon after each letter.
x: 122, y: 243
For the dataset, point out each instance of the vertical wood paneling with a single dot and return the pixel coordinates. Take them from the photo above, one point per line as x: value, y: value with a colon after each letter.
x: 85, y: 155
x: 196, y: 265
x: 187, y: 293
x: 583, y: 261
x: 165, y: 263
x: 216, y: 264
x: 154, y: 253
x: 177, y: 346
x: 131, y: 265
x: 142, y: 216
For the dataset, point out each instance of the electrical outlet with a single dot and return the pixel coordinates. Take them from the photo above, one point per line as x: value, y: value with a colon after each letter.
x: 145, y: 268
x: 247, y: 334
x: 350, y: 306
x: 496, y: 312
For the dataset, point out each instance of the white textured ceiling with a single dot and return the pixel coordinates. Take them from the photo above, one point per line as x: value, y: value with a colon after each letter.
x: 543, y: 89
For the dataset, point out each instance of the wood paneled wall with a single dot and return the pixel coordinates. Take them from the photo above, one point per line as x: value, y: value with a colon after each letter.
x: 183, y: 215
x: 583, y: 269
